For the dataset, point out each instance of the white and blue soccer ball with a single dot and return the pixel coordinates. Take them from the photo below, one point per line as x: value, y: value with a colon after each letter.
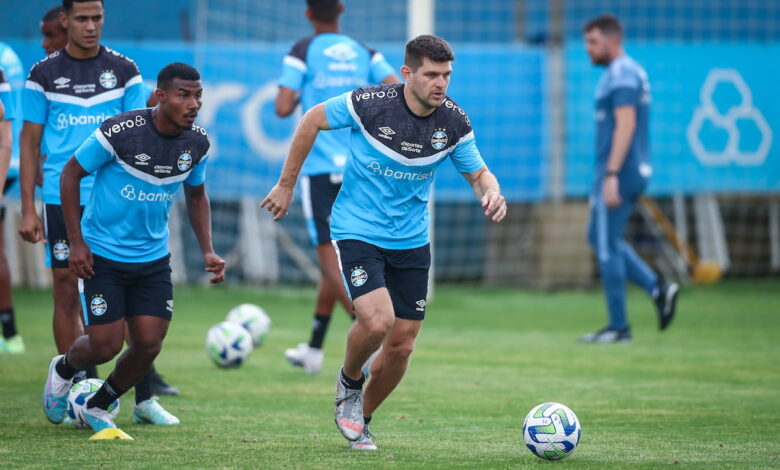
x: 254, y: 319
x: 552, y: 431
x: 79, y: 395
x: 228, y: 344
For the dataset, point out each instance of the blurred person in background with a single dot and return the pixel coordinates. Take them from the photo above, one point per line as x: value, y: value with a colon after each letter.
x: 11, y: 341
x: 621, y: 176
x: 318, y: 68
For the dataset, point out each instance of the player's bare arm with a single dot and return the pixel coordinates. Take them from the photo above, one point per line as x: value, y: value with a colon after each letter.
x: 80, y: 260
x: 199, y: 212
x: 286, y: 101
x: 5, y: 148
x: 625, y: 126
x: 31, y: 228
x: 488, y: 192
x: 279, y: 198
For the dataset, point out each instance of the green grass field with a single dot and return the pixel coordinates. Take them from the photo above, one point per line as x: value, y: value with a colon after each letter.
x: 705, y: 394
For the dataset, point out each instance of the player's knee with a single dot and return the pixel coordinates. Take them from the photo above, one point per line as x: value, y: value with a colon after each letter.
x: 401, y: 349
x: 148, y: 349
x: 104, y: 351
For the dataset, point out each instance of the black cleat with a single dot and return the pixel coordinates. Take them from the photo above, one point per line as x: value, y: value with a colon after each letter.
x: 159, y: 387
x: 666, y: 303
x: 607, y: 335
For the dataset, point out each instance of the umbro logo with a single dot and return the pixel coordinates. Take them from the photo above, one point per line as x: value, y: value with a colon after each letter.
x: 421, y: 305
x: 62, y: 82
x: 386, y: 132
x: 142, y: 159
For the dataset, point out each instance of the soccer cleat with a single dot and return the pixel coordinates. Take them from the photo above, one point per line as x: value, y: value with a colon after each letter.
x: 666, y: 303
x: 12, y: 345
x: 55, y: 394
x: 310, y: 359
x: 97, y: 418
x: 151, y: 412
x: 160, y: 387
x: 364, y: 442
x: 607, y: 335
x: 349, y: 411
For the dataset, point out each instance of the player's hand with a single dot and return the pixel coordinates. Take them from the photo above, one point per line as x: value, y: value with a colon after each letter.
x: 495, y: 204
x: 80, y: 260
x: 216, y: 266
x: 611, y: 192
x: 277, y: 201
x: 31, y: 228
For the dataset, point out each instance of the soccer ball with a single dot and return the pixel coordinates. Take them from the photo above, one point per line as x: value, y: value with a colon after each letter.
x: 79, y: 395
x: 552, y: 431
x: 254, y: 319
x: 228, y: 344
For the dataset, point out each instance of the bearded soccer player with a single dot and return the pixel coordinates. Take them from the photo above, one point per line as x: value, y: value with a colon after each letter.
x: 119, y: 251
x: 400, y: 134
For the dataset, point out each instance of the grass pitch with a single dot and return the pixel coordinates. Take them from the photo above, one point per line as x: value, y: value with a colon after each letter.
x: 704, y: 394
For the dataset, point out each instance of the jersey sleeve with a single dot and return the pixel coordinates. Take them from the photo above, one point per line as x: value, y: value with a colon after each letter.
x: 626, y: 89
x: 94, y: 152
x: 7, y: 97
x: 198, y: 174
x: 135, y: 93
x: 338, y: 113
x: 380, y: 68
x: 35, y: 106
x: 294, y: 67
x: 466, y: 156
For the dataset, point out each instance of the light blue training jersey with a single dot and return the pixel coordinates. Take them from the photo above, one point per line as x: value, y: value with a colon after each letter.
x: 14, y: 73
x: 137, y: 173
x: 324, y: 66
x: 623, y: 83
x: 71, y: 98
x: 393, y: 156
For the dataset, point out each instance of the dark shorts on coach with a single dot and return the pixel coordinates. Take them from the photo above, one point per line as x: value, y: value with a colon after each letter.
x: 119, y: 290
x: 366, y: 267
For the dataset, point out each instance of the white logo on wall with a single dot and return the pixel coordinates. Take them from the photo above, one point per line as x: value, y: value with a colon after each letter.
x: 108, y: 80
x: 98, y: 305
x: 745, y: 111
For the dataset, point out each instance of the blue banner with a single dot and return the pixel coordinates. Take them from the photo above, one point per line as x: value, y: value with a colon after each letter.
x: 713, y: 117
x: 501, y: 87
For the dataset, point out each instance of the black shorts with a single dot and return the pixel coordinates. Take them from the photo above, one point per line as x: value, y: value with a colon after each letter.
x: 119, y: 290
x: 318, y: 193
x: 57, y: 244
x: 366, y: 267
x: 9, y: 182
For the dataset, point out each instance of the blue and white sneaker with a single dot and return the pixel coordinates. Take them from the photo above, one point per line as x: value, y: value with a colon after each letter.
x: 151, y: 412
x: 55, y: 394
x: 98, y: 419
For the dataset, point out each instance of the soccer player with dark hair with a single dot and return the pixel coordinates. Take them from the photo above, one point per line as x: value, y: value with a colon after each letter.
x: 119, y: 251
x: 400, y: 134
x: 55, y: 36
x: 622, y: 173
x: 317, y: 68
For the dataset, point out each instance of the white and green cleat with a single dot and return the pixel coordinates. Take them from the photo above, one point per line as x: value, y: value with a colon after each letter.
x: 12, y: 345
x: 151, y: 412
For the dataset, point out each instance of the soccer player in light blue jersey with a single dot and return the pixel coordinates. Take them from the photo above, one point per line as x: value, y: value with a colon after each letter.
x: 317, y: 68
x: 400, y: 134
x: 10, y: 92
x: 119, y: 251
x: 621, y: 176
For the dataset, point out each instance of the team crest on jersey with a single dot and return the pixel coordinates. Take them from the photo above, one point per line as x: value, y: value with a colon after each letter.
x: 185, y: 161
x: 439, y: 139
x: 358, y: 277
x: 61, y: 250
x: 98, y: 305
x: 108, y: 79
